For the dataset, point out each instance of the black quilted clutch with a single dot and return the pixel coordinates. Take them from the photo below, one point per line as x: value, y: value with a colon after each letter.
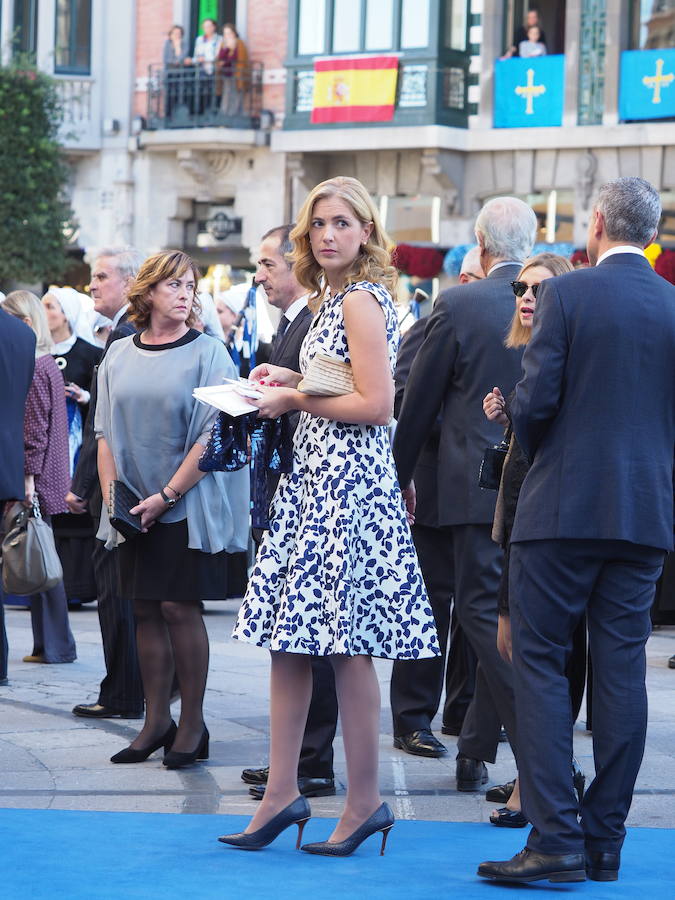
x: 122, y: 499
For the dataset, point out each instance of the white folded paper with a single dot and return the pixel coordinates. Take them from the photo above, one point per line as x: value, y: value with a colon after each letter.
x: 228, y: 397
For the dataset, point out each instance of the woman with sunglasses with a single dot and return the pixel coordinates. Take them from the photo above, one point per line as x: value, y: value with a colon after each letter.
x: 495, y: 406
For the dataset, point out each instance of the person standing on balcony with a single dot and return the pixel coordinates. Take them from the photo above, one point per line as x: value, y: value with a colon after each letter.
x: 204, y: 57
x: 521, y: 34
x: 231, y: 71
x: 533, y: 45
x: 174, y: 58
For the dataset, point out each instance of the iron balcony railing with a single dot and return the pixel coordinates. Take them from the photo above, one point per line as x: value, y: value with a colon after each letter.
x: 194, y: 97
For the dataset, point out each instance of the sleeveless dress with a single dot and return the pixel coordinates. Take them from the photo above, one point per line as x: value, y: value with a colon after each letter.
x: 337, y: 572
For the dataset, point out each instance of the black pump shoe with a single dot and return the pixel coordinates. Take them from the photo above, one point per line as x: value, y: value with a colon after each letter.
x: 296, y: 813
x: 176, y: 759
x: 131, y: 755
x: 381, y: 820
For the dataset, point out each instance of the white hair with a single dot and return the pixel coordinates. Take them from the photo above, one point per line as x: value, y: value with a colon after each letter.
x: 127, y: 259
x: 507, y: 228
x: 471, y: 261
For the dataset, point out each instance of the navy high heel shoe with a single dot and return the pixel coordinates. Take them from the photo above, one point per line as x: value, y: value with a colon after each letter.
x: 296, y: 813
x: 176, y: 759
x: 130, y: 755
x: 381, y: 820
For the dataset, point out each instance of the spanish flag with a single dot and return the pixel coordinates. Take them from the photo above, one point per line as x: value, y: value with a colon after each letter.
x: 354, y: 89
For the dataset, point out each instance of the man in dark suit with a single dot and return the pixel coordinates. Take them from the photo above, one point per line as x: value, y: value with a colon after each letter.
x: 416, y: 685
x: 17, y: 361
x: 463, y: 352
x: 595, y: 414
x: 275, y: 274
x: 121, y: 691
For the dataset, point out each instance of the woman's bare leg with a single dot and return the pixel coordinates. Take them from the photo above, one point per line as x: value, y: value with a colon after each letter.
x: 290, y: 695
x: 358, y: 692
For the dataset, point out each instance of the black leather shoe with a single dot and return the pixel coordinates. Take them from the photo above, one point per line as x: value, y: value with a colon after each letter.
x: 471, y: 773
x: 97, y: 711
x: 4, y: 681
x: 671, y: 662
x: 530, y: 866
x: 255, y: 776
x: 420, y: 743
x: 500, y: 793
x: 602, y: 865
x: 308, y: 787
x: 508, y: 818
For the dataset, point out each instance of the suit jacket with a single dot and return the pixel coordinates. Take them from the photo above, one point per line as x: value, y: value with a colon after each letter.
x: 17, y: 363
x: 286, y: 351
x: 595, y: 410
x: 461, y: 359
x: 426, y: 478
x: 85, y: 482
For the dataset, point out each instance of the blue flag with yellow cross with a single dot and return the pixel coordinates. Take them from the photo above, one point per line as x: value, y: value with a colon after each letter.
x: 647, y: 84
x: 529, y: 92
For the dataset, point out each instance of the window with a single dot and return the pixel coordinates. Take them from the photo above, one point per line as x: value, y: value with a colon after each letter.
x: 652, y: 24
x: 346, y: 25
x: 414, y: 24
x: 379, y: 24
x: 358, y: 26
x: 25, y: 26
x: 456, y: 20
x: 72, y: 41
x: 311, y: 27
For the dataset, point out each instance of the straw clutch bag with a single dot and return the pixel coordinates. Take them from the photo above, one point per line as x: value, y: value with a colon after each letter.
x: 327, y: 377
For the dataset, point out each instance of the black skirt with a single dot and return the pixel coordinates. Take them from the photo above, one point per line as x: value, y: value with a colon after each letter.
x: 159, y: 565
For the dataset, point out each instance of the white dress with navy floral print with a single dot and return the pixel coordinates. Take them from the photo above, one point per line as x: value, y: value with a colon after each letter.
x: 337, y: 572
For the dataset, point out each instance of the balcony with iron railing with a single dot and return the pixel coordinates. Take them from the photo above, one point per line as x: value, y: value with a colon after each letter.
x: 193, y: 97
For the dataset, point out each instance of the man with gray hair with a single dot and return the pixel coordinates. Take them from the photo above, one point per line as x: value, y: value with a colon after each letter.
x: 463, y: 353
x: 595, y: 415
x: 121, y: 691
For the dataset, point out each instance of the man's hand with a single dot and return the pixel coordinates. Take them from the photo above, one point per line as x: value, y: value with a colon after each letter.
x: 410, y: 499
x: 493, y: 407
x: 504, y: 638
x: 29, y: 490
x: 76, y: 504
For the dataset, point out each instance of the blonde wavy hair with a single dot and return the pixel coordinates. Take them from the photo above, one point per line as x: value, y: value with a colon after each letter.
x: 160, y: 267
x: 373, y: 261
x: 25, y: 305
x: 518, y: 335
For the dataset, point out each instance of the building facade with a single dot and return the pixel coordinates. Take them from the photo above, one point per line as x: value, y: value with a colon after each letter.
x: 158, y: 159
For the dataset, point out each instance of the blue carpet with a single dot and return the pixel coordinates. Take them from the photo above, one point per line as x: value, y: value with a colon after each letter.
x: 78, y: 855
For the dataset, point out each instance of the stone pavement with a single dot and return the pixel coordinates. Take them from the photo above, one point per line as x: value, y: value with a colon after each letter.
x: 51, y: 759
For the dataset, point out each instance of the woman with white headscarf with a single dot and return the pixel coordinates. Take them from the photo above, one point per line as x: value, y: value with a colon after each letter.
x: 77, y: 356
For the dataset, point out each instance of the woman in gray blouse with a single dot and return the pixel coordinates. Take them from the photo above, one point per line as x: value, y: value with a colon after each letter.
x: 151, y: 433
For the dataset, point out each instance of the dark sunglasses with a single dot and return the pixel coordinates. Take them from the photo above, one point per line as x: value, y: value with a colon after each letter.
x: 520, y: 288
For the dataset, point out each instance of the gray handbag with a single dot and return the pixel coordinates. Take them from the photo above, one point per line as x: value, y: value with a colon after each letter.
x: 30, y: 563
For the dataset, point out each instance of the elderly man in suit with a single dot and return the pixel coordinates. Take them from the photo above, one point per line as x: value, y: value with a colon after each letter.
x: 595, y: 414
x: 275, y: 274
x: 417, y: 685
x: 462, y: 353
x: 17, y: 361
x: 121, y: 691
